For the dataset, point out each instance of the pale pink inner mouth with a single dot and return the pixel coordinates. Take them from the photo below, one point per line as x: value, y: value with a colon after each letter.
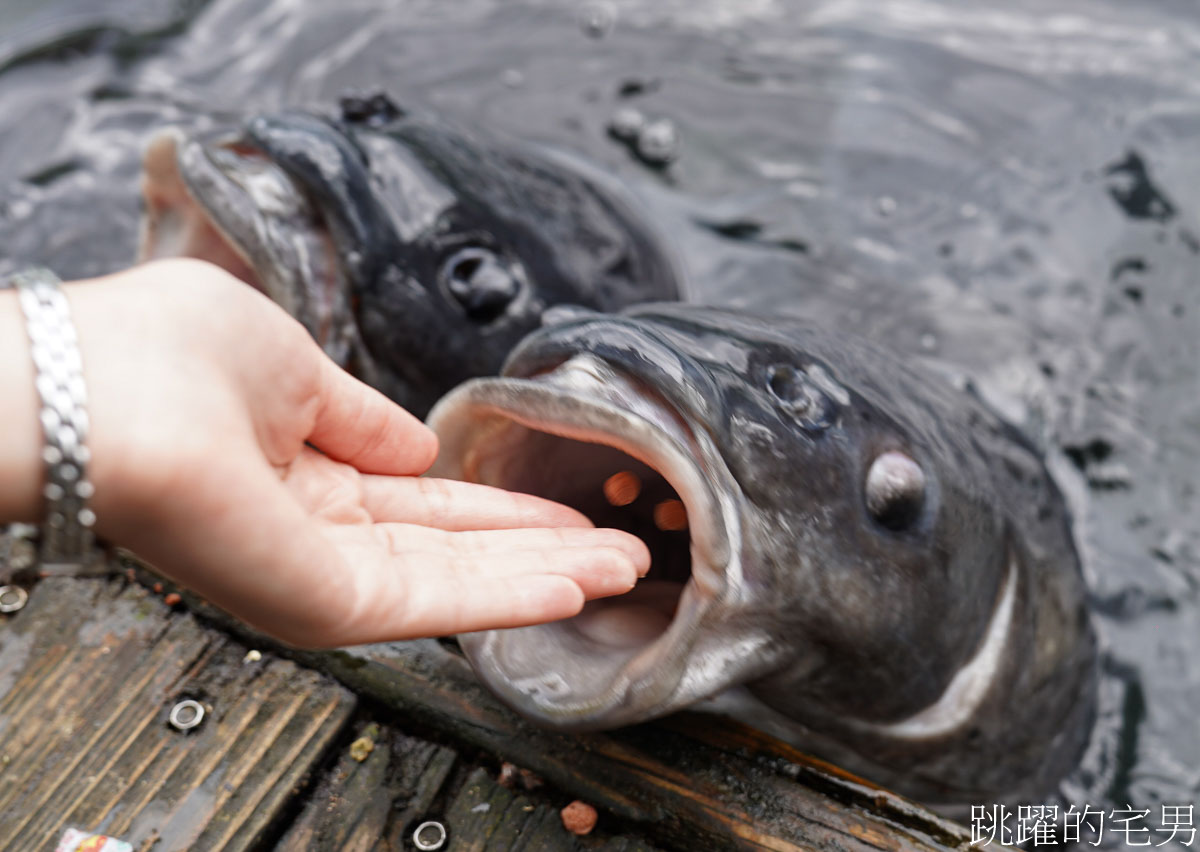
x: 566, y: 434
x: 175, y: 225
x: 242, y: 213
x: 622, y: 465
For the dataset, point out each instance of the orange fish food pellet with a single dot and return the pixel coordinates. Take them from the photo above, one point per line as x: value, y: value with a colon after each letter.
x: 622, y: 488
x: 670, y: 515
x: 579, y: 817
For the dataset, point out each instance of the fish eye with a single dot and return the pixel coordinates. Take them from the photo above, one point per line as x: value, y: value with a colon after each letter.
x: 793, y: 388
x: 482, y: 282
x: 895, y: 490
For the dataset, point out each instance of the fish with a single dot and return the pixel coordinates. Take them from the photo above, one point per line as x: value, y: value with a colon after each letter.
x: 415, y: 252
x: 880, y: 566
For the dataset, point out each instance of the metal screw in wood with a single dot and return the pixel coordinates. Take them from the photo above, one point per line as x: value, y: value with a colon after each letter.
x: 12, y: 598
x: 429, y: 836
x: 186, y: 715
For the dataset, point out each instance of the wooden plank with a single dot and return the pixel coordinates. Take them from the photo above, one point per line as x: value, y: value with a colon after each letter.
x: 362, y: 804
x: 375, y: 800
x: 688, y: 781
x: 486, y: 817
x: 489, y: 817
x: 685, y: 792
x: 89, y: 671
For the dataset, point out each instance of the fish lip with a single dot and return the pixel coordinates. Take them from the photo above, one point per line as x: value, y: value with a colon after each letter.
x: 218, y: 173
x: 587, y: 399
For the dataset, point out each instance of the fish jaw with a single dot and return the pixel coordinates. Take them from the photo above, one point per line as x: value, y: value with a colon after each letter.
x: 669, y: 642
x: 218, y: 198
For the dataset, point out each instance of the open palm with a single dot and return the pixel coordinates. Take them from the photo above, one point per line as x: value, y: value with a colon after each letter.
x: 232, y: 454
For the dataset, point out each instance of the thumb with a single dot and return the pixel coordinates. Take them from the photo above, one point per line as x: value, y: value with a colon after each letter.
x: 358, y: 425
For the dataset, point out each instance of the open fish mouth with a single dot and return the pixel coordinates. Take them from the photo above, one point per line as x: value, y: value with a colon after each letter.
x: 593, y: 437
x: 222, y: 199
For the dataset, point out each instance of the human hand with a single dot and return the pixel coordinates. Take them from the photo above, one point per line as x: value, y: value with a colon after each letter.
x: 203, y: 399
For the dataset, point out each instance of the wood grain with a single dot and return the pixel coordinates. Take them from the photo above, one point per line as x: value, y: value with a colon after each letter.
x: 89, y: 671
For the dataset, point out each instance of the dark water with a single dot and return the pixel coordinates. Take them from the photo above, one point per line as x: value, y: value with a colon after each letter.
x: 1011, y: 190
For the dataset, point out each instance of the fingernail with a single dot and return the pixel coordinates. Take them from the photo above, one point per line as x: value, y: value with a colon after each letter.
x: 630, y: 546
x: 614, y: 576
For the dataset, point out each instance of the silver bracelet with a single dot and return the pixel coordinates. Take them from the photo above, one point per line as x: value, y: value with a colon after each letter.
x: 67, y: 531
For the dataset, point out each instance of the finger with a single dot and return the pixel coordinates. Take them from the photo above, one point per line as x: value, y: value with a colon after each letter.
x: 511, y: 590
x: 599, y: 572
x: 492, y: 604
x: 453, y: 505
x: 413, y: 594
x: 487, y: 548
x: 360, y: 426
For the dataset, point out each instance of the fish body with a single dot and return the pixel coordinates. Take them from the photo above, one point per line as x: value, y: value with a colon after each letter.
x: 417, y: 254
x: 882, y: 564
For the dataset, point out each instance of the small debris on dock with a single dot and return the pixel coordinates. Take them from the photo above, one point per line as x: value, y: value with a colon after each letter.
x: 361, y: 748
x: 508, y: 775
x: 74, y: 840
x: 172, y: 599
x: 579, y: 817
x: 511, y: 775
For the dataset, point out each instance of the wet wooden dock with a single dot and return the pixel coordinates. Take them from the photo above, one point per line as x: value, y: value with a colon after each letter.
x: 354, y: 749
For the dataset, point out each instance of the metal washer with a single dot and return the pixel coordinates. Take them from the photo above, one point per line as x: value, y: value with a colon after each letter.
x: 432, y: 845
x: 178, y: 718
x: 12, y: 598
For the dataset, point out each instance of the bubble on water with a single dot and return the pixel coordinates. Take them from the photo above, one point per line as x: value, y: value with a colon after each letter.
x: 658, y: 143
x: 513, y: 78
x: 968, y: 211
x: 20, y: 208
x: 886, y: 205
x: 626, y: 124
x: 929, y: 341
x: 597, y: 19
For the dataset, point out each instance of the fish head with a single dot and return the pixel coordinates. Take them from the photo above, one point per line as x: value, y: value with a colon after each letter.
x: 416, y: 254
x: 842, y: 554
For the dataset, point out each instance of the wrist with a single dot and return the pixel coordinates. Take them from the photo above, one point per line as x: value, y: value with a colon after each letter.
x: 152, y: 347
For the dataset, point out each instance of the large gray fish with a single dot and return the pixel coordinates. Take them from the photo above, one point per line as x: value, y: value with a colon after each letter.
x: 879, y: 560
x: 416, y: 254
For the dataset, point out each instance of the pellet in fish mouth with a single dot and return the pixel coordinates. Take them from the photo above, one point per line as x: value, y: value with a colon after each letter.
x: 670, y: 515
x: 622, y: 488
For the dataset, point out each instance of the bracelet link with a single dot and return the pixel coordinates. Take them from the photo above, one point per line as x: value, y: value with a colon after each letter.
x: 67, y: 538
